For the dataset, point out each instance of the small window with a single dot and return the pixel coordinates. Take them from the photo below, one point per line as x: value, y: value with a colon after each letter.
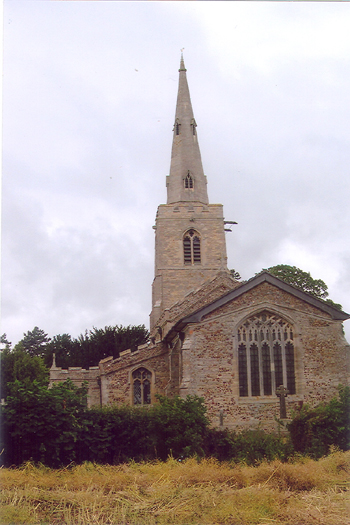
x: 192, y: 248
x: 141, y: 384
x: 193, y: 125
x: 188, y: 181
x: 177, y: 127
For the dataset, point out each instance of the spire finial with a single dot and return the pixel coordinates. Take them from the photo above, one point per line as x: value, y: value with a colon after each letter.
x: 182, y: 63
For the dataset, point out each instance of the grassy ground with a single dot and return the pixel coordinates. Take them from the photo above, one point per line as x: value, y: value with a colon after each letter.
x: 205, y: 493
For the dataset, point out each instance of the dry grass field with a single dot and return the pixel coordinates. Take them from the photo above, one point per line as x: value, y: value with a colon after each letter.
x: 203, y: 493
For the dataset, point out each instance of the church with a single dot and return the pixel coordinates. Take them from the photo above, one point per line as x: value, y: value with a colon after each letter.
x: 237, y: 345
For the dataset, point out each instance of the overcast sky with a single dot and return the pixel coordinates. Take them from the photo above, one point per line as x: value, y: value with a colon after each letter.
x: 89, y: 98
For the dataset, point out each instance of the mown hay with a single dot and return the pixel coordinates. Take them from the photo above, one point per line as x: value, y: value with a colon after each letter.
x: 189, y: 492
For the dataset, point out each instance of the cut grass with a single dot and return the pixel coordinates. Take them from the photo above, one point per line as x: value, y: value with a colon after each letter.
x: 187, y: 492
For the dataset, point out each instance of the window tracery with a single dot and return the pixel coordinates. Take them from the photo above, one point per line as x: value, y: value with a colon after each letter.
x: 141, y: 386
x: 265, y: 355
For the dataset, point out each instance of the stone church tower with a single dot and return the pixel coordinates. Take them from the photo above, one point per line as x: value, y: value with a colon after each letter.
x: 190, y: 245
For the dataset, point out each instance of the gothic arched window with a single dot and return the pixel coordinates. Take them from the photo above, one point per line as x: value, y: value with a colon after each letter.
x: 192, y: 247
x: 141, y: 385
x: 188, y: 181
x: 265, y: 355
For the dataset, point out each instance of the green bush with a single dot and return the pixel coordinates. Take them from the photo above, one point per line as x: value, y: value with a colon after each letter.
x: 250, y: 446
x: 314, y: 430
x: 41, y: 424
x: 114, y: 435
x: 54, y: 427
x: 178, y: 427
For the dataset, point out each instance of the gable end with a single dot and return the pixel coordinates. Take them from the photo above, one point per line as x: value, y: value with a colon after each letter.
x: 264, y: 276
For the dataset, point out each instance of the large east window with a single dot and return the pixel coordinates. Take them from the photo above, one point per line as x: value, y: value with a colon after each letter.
x: 265, y: 355
x: 141, y: 384
x: 192, y: 247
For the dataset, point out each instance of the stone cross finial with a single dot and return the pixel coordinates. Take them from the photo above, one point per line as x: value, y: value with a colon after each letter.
x: 282, y: 393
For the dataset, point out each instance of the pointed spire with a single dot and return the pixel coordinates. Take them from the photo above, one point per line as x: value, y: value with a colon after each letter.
x: 186, y: 181
x: 182, y: 63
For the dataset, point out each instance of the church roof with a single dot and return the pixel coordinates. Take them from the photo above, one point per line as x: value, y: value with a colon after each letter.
x: 263, y: 276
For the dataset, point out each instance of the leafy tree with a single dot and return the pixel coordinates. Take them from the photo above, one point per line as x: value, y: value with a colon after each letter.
x: 5, y: 344
x: 66, y: 350
x: 109, y: 341
x: 302, y: 280
x: 34, y: 342
x: 18, y: 365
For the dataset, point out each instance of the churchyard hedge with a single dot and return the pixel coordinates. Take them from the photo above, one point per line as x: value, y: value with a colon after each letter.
x: 54, y: 427
x: 313, y: 430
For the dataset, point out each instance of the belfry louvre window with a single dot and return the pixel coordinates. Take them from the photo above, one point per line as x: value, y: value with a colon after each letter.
x: 177, y: 127
x: 192, y: 248
x: 194, y: 125
x: 265, y: 355
x: 188, y: 181
x: 141, y: 385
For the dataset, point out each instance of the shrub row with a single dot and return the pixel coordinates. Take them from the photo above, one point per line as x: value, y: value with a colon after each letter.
x: 54, y: 427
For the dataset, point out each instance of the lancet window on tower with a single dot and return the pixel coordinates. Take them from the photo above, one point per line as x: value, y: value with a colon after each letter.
x: 265, y: 355
x: 188, y: 181
x: 141, y: 385
x: 192, y: 248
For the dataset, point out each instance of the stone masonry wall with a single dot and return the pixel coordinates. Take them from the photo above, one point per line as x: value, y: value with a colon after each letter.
x: 173, y: 279
x: 210, y: 354
x: 117, y: 373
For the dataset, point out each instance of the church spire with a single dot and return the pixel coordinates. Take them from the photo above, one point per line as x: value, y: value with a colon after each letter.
x: 190, y: 245
x: 186, y: 182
